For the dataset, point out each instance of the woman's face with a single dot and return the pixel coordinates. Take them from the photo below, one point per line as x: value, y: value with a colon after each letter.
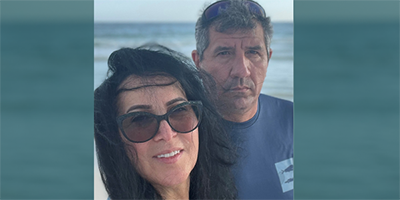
x: 167, y: 159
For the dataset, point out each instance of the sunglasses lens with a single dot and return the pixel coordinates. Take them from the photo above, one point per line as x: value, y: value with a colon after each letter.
x: 185, y: 118
x: 140, y: 128
x: 255, y: 9
x: 214, y: 9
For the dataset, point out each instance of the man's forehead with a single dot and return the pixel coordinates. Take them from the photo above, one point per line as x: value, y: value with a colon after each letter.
x: 255, y: 35
x: 235, y: 30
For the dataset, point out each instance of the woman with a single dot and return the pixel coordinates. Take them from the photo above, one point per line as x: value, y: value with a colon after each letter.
x: 157, y: 133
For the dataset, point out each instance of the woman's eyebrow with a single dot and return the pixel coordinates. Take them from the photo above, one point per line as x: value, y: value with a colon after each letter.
x: 144, y: 107
x: 148, y: 107
x: 175, y: 100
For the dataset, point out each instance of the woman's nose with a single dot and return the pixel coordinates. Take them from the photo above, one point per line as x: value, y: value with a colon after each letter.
x: 165, y: 132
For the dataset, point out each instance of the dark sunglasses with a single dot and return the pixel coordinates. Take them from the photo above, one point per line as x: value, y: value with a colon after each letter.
x: 212, y: 11
x: 140, y: 127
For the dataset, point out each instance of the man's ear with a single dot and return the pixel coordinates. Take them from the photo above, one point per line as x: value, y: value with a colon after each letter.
x: 270, y: 54
x: 196, y: 58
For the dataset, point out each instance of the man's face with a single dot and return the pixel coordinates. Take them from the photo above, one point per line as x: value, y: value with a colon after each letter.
x: 238, y: 62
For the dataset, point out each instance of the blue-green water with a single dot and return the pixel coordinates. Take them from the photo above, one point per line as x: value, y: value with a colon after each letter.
x: 46, y: 111
x: 346, y: 111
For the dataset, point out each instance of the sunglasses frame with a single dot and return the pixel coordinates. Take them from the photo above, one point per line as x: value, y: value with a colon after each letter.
x: 159, y: 118
x: 225, y: 3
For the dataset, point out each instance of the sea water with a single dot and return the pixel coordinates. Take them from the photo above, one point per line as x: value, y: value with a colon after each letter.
x: 109, y: 37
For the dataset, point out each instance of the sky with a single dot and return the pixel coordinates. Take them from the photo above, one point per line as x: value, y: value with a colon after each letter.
x: 175, y: 10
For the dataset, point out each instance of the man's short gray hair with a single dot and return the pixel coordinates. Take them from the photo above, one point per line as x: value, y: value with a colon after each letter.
x: 235, y: 17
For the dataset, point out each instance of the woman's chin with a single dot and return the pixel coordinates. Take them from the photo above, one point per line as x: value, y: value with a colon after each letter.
x: 172, y: 180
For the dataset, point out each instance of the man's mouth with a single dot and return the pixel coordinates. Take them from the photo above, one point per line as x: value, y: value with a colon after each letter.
x: 239, y: 89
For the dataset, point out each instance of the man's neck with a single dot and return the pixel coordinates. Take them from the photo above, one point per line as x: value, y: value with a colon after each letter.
x: 240, y: 115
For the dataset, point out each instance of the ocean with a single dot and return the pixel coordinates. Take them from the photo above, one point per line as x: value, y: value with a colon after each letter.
x: 109, y: 37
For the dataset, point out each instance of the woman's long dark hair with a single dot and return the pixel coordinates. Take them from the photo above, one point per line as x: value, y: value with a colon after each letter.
x: 211, y: 177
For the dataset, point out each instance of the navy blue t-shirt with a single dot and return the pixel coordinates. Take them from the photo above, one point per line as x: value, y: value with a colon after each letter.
x: 265, y: 147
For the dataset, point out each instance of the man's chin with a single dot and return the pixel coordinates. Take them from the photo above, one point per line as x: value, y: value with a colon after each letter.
x: 235, y: 104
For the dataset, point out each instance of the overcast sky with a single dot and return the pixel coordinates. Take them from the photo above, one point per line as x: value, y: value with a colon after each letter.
x: 174, y: 10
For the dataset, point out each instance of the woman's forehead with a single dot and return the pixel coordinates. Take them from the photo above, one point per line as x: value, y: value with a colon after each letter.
x: 135, y: 81
x: 148, y: 91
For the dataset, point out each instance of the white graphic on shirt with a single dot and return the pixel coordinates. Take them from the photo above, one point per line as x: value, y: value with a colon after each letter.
x: 285, y: 173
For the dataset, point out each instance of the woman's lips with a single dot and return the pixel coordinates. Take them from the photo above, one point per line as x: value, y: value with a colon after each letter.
x: 169, y: 157
x: 168, y: 154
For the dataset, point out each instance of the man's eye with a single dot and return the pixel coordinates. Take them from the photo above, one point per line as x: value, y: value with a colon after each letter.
x: 224, y: 53
x: 252, y: 52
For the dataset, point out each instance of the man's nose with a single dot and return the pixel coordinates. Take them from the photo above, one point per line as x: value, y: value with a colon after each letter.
x: 240, y: 66
x: 164, y: 132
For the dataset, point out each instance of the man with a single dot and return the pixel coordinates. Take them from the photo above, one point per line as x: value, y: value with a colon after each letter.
x: 233, y: 44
